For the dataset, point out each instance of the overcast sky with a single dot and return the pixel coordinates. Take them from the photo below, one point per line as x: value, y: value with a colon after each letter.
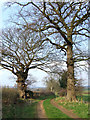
x: 6, y: 77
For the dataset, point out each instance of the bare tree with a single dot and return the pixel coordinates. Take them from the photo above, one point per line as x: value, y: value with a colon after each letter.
x: 21, y: 51
x: 65, y: 26
x: 67, y: 29
x: 52, y: 83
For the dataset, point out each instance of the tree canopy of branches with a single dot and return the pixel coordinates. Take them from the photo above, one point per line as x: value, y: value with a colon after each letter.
x: 65, y: 26
x: 21, y: 51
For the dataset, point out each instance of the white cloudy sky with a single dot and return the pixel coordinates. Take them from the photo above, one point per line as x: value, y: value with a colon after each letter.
x: 6, y: 76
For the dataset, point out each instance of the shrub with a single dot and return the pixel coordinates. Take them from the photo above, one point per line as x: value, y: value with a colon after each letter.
x: 78, y: 90
x: 63, y: 92
x: 9, y: 95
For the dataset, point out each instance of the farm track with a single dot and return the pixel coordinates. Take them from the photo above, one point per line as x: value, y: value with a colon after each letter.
x: 65, y: 111
x: 40, y: 110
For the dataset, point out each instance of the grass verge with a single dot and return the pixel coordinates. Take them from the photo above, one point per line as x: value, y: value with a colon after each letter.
x: 81, y: 109
x: 51, y: 111
x: 20, y: 110
x: 14, y: 107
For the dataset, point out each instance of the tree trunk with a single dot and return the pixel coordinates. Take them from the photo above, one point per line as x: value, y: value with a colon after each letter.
x: 22, y: 87
x: 51, y: 89
x: 70, y: 74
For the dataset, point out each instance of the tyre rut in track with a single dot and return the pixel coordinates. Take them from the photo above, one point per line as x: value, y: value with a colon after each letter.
x: 40, y: 110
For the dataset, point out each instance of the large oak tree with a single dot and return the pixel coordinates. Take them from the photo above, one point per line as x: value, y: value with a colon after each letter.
x: 70, y: 21
x: 21, y: 51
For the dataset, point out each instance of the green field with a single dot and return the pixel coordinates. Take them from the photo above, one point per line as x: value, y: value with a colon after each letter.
x: 85, y: 95
x: 86, y: 91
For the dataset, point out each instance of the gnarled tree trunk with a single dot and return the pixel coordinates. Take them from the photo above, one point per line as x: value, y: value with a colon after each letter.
x: 22, y: 87
x: 70, y: 74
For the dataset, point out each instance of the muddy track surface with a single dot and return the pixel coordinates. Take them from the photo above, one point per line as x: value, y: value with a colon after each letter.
x: 65, y: 111
x: 40, y: 110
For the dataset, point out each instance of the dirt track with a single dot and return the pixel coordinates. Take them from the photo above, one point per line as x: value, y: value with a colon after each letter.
x: 40, y: 110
